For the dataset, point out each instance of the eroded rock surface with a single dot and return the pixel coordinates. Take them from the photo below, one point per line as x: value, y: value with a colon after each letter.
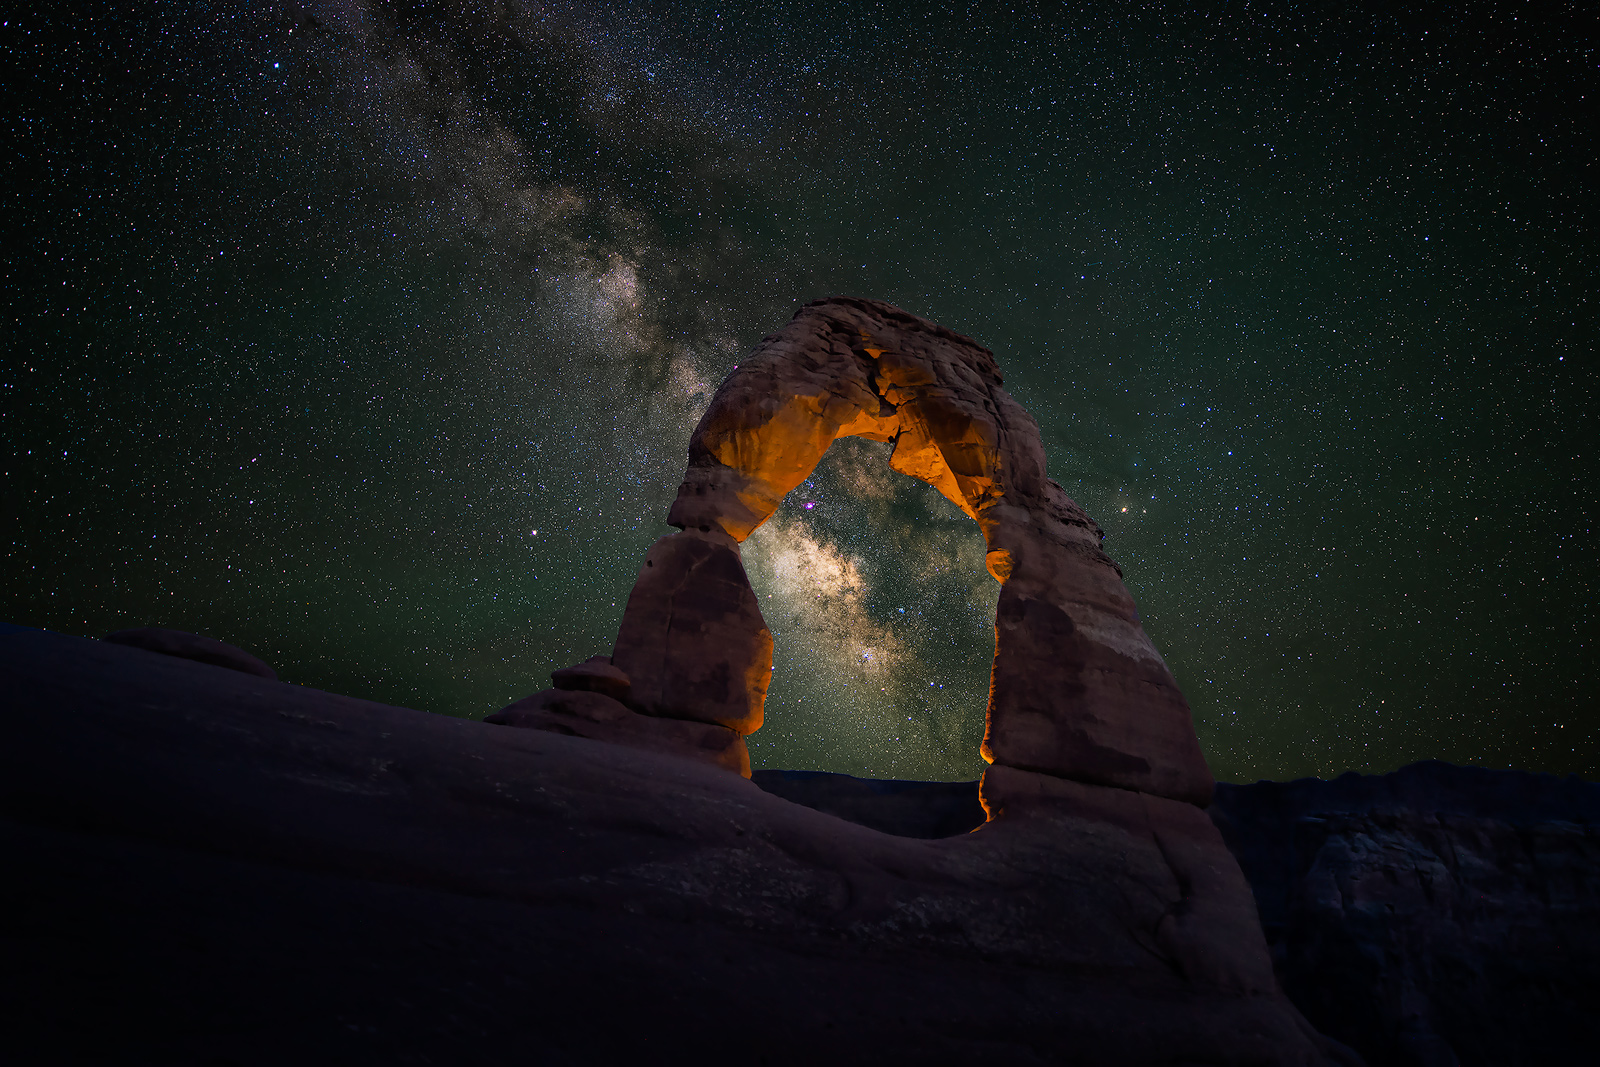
x: 1077, y: 690
x: 585, y: 713
x: 597, y: 674
x: 1095, y: 851
x: 192, y: 646
x: 692, y: 640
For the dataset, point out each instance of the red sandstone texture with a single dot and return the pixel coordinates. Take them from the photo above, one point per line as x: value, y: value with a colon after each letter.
x: 692, y: 640
x: 1077, y: 689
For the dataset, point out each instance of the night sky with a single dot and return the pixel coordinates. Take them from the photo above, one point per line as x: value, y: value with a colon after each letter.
x: 369, y: 337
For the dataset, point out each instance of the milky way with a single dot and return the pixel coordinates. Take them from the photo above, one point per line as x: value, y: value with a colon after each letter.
x: 369, y: 337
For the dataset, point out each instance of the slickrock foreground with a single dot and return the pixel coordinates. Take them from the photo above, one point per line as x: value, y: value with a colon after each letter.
x: 1435, y: 915
x: 206, y: 866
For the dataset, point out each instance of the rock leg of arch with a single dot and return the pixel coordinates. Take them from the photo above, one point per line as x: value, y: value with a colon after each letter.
x: 1077, y: 690
x: 692, y: 641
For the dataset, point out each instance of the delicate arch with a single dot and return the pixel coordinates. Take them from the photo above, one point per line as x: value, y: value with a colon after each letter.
x: 1076, y: 690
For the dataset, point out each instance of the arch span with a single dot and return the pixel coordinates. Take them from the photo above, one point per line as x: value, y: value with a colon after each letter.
x: 1076, y: 691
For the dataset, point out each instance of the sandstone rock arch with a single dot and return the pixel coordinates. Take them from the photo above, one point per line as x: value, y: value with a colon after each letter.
x: 1077, y: 690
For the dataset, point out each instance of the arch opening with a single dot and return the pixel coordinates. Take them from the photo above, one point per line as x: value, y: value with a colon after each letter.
x: 882, y: 620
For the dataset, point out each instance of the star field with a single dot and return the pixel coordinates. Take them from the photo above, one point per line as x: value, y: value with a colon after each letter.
x: 369, y: 337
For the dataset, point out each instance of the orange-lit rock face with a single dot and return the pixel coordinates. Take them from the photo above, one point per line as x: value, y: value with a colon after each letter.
x: 1077, y: 689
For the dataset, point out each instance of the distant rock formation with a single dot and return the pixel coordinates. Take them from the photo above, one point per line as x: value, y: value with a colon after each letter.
x: 1435, y: 916
x: 192, y: 646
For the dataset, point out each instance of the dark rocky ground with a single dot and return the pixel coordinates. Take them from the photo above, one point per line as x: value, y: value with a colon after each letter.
x: 208, y: 867
x: 1432, y: 916
x: 909, y: 809
x: 1435, y: 916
